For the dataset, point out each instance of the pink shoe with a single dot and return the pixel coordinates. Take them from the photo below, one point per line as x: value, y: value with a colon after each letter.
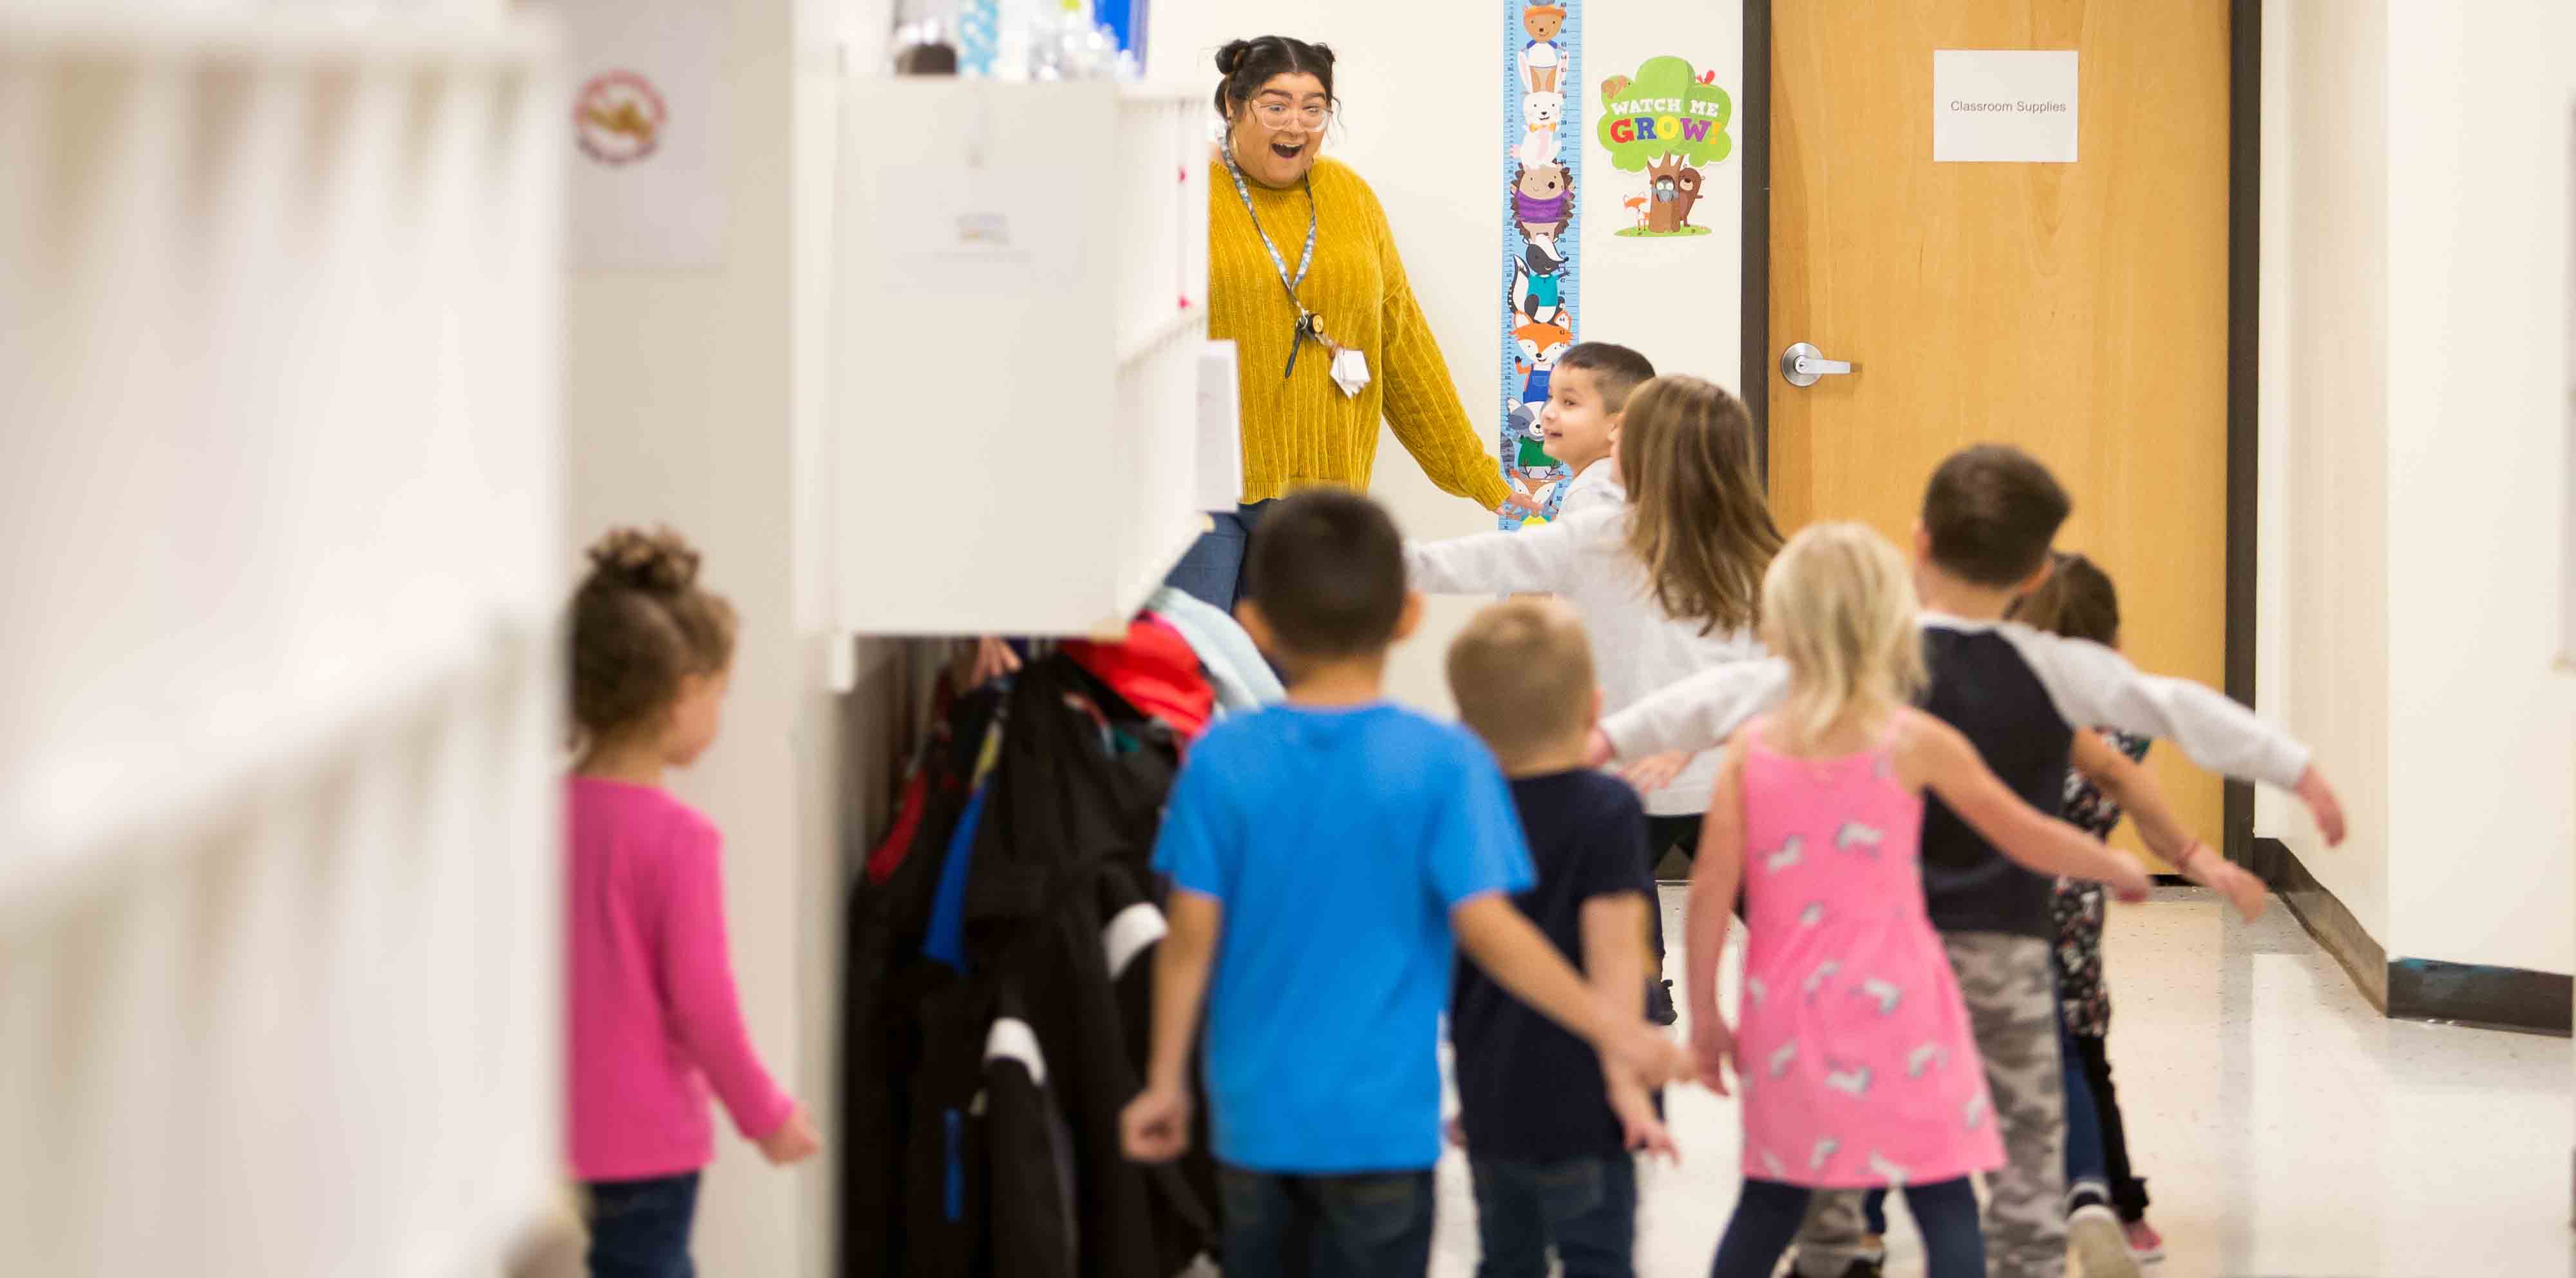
x: 2145, y: 1244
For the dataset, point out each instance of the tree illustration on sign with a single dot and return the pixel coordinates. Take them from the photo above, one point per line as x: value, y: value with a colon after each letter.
x: 1666, y: 122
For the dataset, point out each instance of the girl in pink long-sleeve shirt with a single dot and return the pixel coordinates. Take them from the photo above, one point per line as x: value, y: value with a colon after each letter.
x: 655, y: 1022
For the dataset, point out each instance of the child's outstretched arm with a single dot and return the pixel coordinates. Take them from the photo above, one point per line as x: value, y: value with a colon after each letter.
x: 1615, y: 967
x: 1156, y: 1125
x: 2095, y: 687
x: 1542, y: 560
x: 1695, y: 714
x: 1518, y: 956
x: 1932, y: 754
x: 1714, y: 879
x: 2134, y: 788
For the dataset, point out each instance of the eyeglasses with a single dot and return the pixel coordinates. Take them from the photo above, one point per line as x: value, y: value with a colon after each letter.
x: 1277, y: 114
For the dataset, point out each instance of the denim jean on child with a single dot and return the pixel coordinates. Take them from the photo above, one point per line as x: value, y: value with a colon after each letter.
x: 640, y: 1228
x: 1364, y: 1226
x: 1212, y: 569
x: 1585, y: 1207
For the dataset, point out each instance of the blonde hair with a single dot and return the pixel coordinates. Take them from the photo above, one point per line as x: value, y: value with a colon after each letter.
x: 1838, y: 605
x: 1522, y: 674
x: 1697, y: 520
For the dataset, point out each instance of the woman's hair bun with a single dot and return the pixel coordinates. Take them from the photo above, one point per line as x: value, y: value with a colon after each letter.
x: 1230, y: 58
x: 660, y: 561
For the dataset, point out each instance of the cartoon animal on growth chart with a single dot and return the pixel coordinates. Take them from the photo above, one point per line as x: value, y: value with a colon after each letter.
x: 1542, y: 60
x: 1542, y: 114
x: 1538, y: 287
x: 1543, y: 206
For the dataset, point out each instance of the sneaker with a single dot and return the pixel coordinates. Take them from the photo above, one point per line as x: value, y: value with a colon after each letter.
x: 1659, y: 1003
x: 2096, y: 1237
x: 2145, y: 1243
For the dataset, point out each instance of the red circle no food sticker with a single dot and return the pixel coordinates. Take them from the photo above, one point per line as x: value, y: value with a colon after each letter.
x: 618, y: 117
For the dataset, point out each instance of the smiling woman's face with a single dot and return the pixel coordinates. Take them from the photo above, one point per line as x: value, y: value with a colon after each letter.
x: 1278, y: 132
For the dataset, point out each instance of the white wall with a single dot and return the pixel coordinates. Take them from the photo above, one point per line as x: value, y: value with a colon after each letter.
x: 2482, y: 736
x: 2415, y: 204
x: 2325, y: 425
x: 1420, y: 84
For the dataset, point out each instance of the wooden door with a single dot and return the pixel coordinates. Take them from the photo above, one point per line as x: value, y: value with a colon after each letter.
x: 2076, y: 310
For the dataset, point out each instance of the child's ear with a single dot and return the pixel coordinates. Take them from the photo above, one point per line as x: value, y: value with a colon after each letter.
x: 2038, y: 577
x: 1922, y: 543
x: 1248, y: 615
x: 1411, y: 619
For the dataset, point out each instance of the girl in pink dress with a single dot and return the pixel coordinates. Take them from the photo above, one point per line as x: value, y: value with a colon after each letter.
x: 1855, y: 1059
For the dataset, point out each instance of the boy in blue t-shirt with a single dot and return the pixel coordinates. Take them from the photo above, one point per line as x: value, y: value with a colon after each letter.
x: 1327, y: 857
x: 1547, y: 1128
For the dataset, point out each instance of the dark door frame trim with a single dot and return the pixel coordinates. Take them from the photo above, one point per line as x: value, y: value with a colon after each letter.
x: 2244, y: 327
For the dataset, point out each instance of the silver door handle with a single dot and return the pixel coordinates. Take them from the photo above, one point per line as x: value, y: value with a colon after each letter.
x: 1803, y: 365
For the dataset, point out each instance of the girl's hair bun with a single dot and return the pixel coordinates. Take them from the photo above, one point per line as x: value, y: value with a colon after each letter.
x: 661, y: 561
x: 1230, y: 58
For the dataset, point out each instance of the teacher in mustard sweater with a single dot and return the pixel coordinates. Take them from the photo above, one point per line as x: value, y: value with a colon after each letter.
x: 1303, y: 276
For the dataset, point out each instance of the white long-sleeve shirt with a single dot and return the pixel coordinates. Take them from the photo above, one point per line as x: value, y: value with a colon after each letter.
x: 1636, y: 648
x: 2091, y: 687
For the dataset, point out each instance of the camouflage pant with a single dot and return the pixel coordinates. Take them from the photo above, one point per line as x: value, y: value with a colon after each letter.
x: 2012, y: 1006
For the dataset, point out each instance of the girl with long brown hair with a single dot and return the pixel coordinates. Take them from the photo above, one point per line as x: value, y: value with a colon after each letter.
x: 1667, y: 579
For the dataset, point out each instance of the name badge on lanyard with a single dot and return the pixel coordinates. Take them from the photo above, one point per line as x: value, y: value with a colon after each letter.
x: 1350, y: 369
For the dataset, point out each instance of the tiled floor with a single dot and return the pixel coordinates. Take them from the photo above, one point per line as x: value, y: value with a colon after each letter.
x: 2286, y: 1130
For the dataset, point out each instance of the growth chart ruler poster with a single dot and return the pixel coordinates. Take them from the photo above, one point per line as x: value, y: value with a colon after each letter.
x: 1542, y: 234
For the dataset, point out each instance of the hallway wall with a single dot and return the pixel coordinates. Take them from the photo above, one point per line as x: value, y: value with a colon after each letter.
x: 2415, y: 344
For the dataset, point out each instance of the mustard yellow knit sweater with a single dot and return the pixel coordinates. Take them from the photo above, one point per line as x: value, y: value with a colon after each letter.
x: 1301, y: 431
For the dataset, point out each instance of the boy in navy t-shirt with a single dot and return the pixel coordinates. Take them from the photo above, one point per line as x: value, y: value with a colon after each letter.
x: 1547, y: 1129
x: 1327, y: 857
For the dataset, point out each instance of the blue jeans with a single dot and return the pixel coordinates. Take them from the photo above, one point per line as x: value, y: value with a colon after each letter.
x: 1212, y: 570
x: 640, y: 1228
x: 1767, y: 1218
x: 1364, y: 1226
x: 1586, y: 1207
x: 2085, y: 1156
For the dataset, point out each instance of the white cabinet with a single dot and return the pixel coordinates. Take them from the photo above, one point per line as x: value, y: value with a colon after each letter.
x: 1019, y: 322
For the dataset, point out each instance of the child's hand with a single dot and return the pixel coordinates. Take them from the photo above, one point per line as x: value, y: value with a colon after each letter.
x: 1639, y: 1127
x: 2322, y: 804
x: 993, y: 659
x: 2128, y: 881
x: 1642, y: 1051
x: 1520, y: 501
x: 793, y: 1142
x: 1156, y: 1125
x: 1714, y: 1046
x: 2204, y: 866
x: 1652, y: 774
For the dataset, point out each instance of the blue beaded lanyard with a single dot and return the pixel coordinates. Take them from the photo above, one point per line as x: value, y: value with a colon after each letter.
x: 1309, y: 325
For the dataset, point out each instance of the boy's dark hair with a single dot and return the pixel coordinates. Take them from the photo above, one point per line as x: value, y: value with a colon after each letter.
x: 1249, y: 64
x: 1326, y: 570
x: 639, y: 622
x: 2077, y: 601
x: 1992, y: 511
x: 1616, y: 370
